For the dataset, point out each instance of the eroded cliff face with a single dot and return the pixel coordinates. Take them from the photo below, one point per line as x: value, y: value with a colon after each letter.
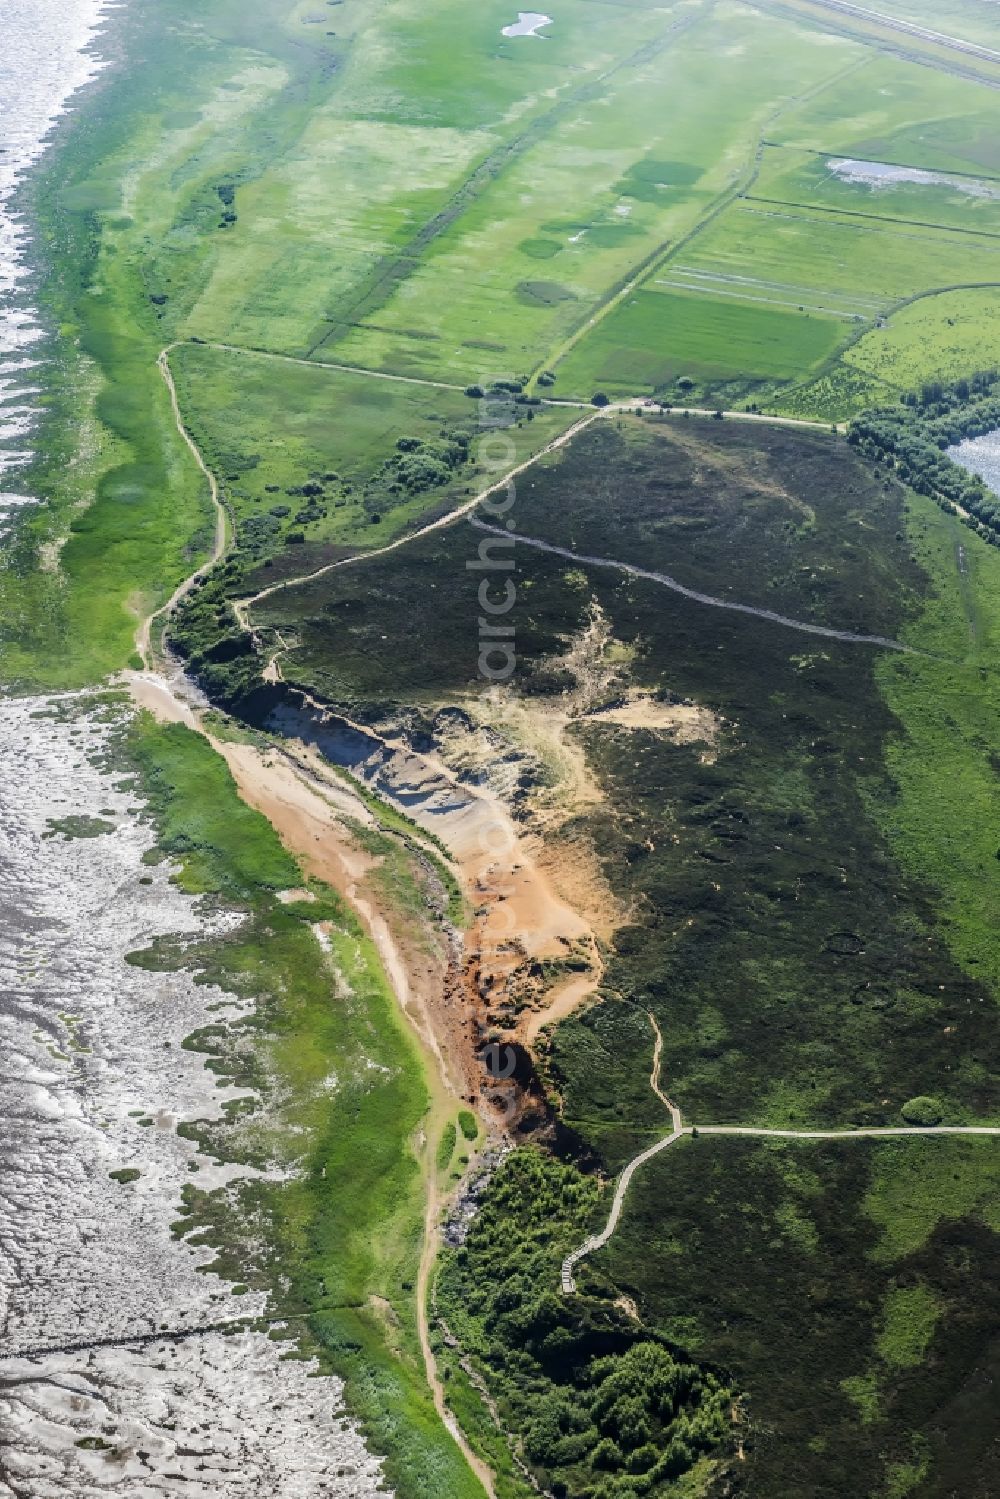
x: 125, y: 1368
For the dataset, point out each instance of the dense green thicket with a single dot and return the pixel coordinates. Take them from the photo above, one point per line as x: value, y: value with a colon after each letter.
x: 419, y: 464
x: 912, y: 438
x: 602, y: 1406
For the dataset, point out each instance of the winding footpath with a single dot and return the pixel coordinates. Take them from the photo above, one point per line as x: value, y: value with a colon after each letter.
x: 143, y: 641
x: 243, y: 606
x: 678, y: 1131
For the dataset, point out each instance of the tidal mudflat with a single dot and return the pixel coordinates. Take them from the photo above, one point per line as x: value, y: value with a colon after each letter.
x: 126, y: 1367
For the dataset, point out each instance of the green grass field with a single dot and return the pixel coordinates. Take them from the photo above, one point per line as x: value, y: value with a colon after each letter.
x: 661, y: 336
x: 268, y: 427
x: 531, y: 260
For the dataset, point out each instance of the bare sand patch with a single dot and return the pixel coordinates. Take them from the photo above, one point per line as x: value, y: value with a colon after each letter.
x: 686, y: 723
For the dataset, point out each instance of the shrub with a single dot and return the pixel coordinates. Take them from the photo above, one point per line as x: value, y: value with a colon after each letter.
x: 923, y: 1111
x: 446, y: 1146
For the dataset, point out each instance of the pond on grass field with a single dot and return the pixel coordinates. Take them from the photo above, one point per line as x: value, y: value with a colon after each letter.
x: 875, y: 174
x: 980, y: 455
x: 528, y: 23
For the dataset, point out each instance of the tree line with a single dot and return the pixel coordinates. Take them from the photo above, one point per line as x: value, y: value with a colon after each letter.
x: 912, y: 439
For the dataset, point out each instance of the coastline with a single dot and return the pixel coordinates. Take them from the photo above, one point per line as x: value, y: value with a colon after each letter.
x: 42, y: 110
x: 104, y: 422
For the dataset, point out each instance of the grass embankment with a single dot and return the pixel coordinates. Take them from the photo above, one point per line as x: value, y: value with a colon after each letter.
x: 945, y: 757
x: 341, y: 1098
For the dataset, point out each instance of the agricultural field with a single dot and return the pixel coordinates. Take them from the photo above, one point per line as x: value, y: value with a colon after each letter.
x: 769, y: 297
x: 535, y: 257
x: 963, y: 328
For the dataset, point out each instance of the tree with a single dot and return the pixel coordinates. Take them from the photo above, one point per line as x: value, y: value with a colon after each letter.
x: 923, y: 1111
x: 599, y: 399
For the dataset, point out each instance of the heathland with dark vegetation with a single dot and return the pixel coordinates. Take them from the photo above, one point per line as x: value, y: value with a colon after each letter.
x: 335, y: 230
x: 807, y: 925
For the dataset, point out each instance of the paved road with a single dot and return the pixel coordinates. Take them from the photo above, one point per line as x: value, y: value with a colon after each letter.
x: 898, y: 23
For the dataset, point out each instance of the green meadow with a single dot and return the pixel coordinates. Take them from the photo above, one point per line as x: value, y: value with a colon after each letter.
x: 537, y: 254
x: 299, y: 449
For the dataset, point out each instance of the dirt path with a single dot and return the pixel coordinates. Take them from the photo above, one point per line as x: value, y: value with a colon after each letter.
x: 243, y: 606
x: 428, y: 1254
x: 666, y: 581
x: 144, y: 635
x: 679, y: 1130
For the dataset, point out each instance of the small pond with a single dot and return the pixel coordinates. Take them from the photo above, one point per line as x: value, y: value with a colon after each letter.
x: 877, y: 174
x: 980, y: 455
x: 528, y: 23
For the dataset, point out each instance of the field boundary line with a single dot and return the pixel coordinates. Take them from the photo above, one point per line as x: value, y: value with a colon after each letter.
x: 667, y: 249
x: 315, y: 364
